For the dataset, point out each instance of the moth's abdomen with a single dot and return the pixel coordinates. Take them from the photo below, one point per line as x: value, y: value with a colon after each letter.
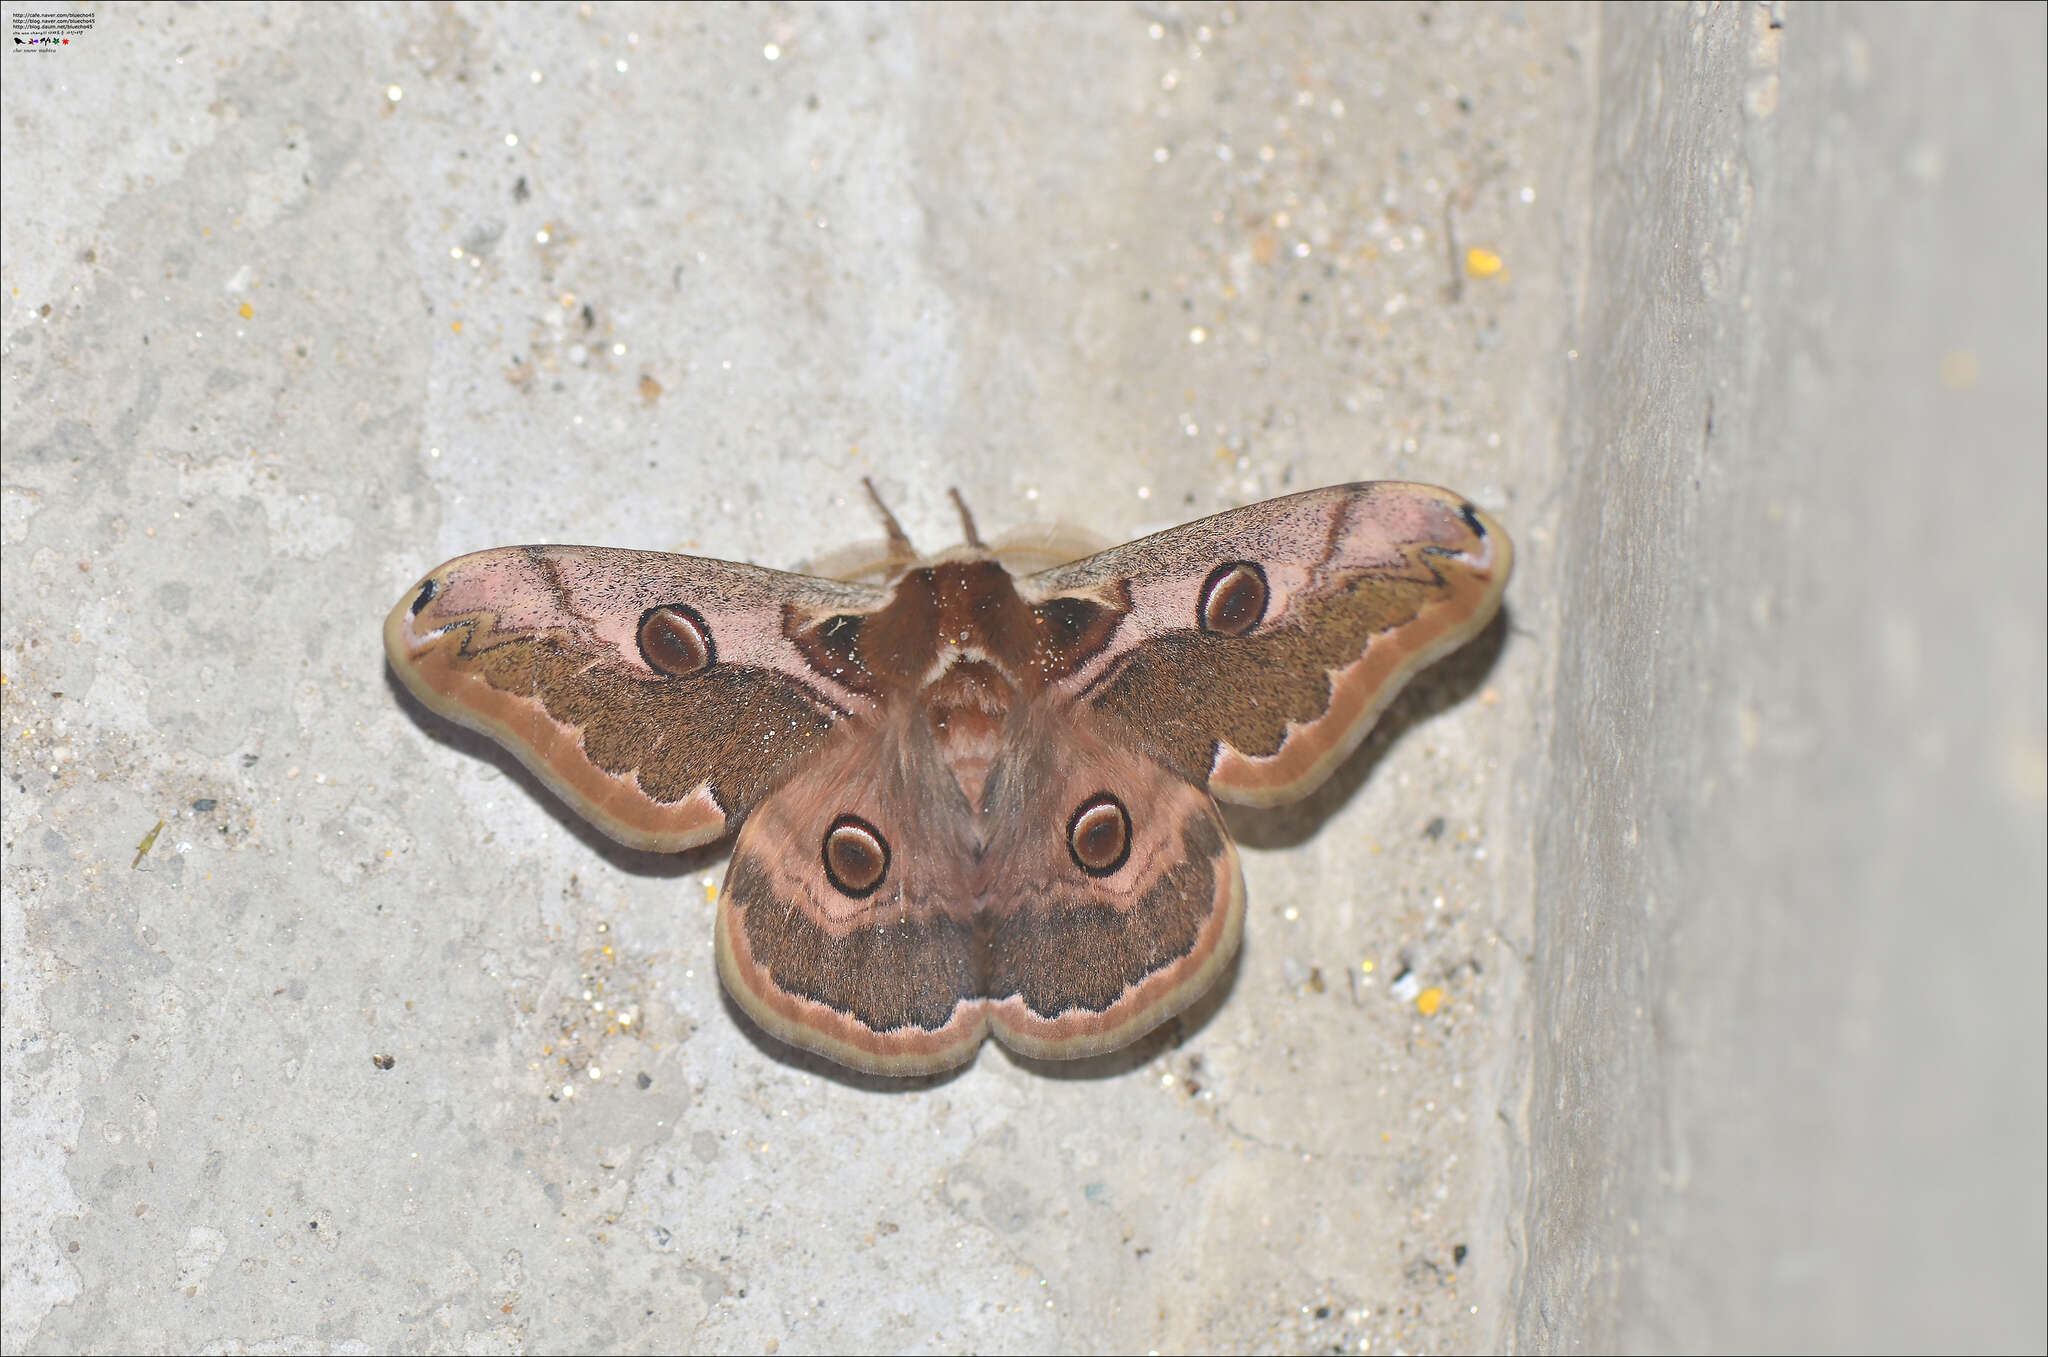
x: 967, y: 709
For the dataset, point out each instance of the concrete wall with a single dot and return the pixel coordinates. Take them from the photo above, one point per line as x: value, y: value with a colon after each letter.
x: 678, y: 279
x: 1724, y: 846
x: 1788, y: 1079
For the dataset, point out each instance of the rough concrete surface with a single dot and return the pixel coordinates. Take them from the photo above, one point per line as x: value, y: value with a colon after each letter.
x: 1789, y: 888
x: 302, y: 300
x: 1724, y: 845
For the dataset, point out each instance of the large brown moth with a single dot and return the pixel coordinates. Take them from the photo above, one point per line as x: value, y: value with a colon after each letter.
x: 967, y: 801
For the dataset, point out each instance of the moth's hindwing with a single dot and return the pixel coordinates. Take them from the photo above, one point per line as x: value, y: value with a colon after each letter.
x: 863, y: 918
x: 847, y: 921
x: 1114, y: 897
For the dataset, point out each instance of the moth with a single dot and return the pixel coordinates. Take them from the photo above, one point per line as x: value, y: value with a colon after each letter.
x: 966, y: 801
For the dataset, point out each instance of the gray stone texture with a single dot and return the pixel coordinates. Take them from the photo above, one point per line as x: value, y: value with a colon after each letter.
x: 1724, y: 848
x: 1787, y: 1016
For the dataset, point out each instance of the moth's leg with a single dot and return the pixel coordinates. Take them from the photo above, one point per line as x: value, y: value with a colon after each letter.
x: 966, y: 520
x: 901, y: 552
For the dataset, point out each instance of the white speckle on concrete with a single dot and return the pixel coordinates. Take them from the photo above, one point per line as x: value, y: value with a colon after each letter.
x: 199, y: 1256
